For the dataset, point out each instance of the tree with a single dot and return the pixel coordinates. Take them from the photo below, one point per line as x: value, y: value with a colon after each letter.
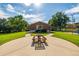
x: 13, y: 24
x: 3, y: 25
x: 17, y: 23
x: 58, y: 21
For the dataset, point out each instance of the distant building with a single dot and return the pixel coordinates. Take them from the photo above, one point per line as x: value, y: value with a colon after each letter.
x: 71, y: 26
x: 77, y: 25
x: 39, y: 26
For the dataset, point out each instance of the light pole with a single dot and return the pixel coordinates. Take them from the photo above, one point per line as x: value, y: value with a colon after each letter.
x: 73, y: 23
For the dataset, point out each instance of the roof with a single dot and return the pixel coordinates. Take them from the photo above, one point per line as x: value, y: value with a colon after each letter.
x: 40, y: 23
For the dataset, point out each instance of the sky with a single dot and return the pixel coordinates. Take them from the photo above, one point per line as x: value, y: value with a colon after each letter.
x: 34, y: 12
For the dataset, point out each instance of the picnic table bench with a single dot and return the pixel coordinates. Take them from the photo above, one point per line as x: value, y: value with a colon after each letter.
x: 39, y: 41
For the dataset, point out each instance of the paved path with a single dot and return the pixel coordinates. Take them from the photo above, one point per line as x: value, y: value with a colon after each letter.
x: 22, y: 47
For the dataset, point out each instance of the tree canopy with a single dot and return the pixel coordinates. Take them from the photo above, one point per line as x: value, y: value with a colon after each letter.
x: 13, y: 24
x: 58, y: 21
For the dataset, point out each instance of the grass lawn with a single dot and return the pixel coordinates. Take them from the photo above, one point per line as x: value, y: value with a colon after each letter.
x: 69, y: 37
x: 44, y: 34
x: 11, y: 36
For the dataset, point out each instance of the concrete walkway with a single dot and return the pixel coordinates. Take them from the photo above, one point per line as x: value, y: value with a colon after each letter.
x: 22, y: 47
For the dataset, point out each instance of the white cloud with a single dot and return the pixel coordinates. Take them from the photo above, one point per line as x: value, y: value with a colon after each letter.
x: 33, y: 20
x: 36, y: 4
x: 34, y: 17
x: 73, y: 10
x: 27, y: 3
x: 10, y: 8
x: 24, y: 11
x: 29, y: 15
x: 1, y: 13
x: 46, y: 21
x: 4, y: 16
x: 30, y: 9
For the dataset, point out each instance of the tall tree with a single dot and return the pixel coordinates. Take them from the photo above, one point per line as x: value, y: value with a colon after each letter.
x: 58, y: 21
x: 17, y: 23
x: 3, y: 25
x: 13, y: 24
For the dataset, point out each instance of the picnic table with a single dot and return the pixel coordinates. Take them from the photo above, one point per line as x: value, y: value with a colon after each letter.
x: 39, y: 41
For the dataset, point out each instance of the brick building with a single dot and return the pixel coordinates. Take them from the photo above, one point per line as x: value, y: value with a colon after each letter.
x: 39, y: 26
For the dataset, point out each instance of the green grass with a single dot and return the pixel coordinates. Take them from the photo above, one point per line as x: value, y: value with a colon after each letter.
x: 69, y: 37
x: 44, y: 34
x: 11, y: 36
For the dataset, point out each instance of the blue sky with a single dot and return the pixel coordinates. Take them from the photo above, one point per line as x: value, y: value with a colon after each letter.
x: 38, y: 12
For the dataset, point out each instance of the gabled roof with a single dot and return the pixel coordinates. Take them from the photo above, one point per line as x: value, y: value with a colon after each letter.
x: 40, y: 23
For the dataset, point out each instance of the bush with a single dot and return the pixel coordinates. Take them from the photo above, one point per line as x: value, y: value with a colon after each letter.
x: 41, y: 31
